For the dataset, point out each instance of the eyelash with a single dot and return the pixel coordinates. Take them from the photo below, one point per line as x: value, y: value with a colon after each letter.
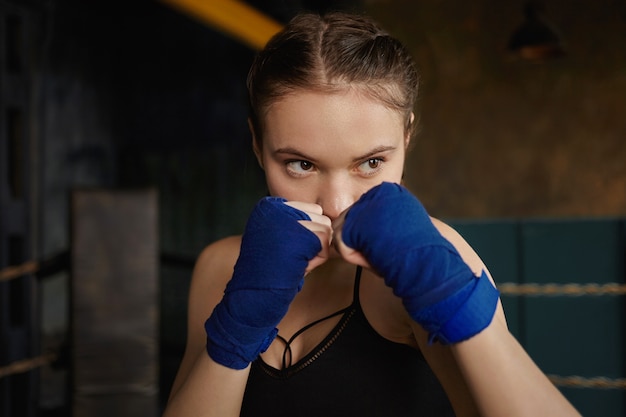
x: 378, y: 160
x: 299, y: 162
x: 295, y: 173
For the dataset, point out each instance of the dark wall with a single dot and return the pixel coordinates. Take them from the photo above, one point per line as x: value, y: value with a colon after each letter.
x: 502, y: 137
x: 137, y: 95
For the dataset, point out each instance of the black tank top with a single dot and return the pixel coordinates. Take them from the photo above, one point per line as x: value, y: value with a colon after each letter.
x: 353, y: 372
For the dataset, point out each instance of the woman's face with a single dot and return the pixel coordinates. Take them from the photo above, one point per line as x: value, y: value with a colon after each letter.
x: 329, y: 149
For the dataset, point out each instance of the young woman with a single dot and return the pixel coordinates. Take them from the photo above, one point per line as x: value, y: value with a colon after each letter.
x: 343, y: 297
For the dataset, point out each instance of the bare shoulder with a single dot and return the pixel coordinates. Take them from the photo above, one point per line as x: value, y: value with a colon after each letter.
x: 213, y: 270
x: 468, y: 254
x: 216, y: 261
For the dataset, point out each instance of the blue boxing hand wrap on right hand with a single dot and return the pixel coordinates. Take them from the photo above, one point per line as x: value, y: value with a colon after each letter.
x: 391, y: 228
x: 275, y: 251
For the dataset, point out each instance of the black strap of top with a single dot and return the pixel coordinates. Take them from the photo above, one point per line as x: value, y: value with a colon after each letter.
x: 355, y: 301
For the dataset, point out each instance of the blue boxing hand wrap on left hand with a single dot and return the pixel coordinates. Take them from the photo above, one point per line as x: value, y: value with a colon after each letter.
x: 275, y: 252
x: 391, y: 228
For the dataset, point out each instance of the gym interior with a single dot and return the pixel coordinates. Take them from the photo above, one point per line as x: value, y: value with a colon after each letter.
x: 125, y: 150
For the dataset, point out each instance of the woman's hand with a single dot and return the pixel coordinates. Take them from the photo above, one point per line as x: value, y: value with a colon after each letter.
x: 349, y: 254
x: 318, y: 224
x: 389, y: 229
x: 281, y: 242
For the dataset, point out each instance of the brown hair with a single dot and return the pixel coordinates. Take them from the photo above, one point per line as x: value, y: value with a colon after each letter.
x: 331, y: 53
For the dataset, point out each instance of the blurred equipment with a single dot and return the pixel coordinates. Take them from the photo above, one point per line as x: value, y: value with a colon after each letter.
x: 233, y: 17
x: 536, y: 38
x: 114, y: 303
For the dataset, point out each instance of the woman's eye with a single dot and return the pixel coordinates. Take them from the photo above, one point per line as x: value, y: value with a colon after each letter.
x: 371, y: 166
x: 299, y: 167
x: 373, y: 163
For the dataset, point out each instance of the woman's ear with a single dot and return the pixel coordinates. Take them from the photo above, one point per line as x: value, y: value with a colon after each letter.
x: 409, y: 132
x: 256, y: 146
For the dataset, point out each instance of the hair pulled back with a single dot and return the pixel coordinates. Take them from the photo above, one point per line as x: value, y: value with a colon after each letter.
x: 333, y: 53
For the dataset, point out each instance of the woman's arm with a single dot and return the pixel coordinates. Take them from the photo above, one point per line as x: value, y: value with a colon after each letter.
x: 500, y: 377
x: 440, y: 357
x: 202, y: 386
x: 470, y: 257
x: 244, y: 286
x: 209, y: 389
x: 492, y: 376
x: 389, y: 229
x: 504, y: 380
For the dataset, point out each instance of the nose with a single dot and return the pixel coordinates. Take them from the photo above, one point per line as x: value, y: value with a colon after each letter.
x: 336, y: 195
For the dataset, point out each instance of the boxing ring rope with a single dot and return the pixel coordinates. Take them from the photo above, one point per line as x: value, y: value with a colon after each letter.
x: 17, y: 271
x: 598, y: 382
x: 573, y: 290
x: 506, y: 288
x: 26, y: 365
x: 45, y: 267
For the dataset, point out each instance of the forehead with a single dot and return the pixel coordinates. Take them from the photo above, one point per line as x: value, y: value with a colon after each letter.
x: 346, y: 119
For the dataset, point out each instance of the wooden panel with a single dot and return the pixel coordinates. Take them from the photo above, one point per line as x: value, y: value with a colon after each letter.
x: 114, y: 303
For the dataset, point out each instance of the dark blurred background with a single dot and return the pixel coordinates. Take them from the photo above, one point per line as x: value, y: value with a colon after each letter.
x: 138, y: 95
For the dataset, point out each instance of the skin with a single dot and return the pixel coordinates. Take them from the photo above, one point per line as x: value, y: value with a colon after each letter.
x: 322, y: 161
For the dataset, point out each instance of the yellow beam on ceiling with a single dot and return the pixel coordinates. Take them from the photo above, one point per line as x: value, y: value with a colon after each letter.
x: 232, y: 17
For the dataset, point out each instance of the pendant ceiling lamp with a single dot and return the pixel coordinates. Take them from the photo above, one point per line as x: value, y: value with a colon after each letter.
x: 536, y: 39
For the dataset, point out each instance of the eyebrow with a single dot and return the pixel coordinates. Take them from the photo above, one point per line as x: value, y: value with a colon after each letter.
x: 374, y: 151
x: 369, y: 154
x: 293, y: 151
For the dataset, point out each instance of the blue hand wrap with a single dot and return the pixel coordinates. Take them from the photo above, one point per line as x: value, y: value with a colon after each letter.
x: 275, y: 251
x: 391, y: 228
